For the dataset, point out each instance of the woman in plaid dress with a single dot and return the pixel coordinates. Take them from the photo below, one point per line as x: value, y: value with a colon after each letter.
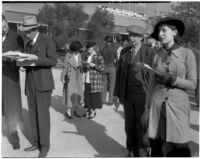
x: 93, y: 80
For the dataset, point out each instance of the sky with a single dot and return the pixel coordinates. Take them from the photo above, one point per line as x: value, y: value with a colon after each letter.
x: 145, y: 8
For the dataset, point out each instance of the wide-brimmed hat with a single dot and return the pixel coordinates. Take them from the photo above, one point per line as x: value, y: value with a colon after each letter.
x: 90, y: 44
x: 169, y: 21
x: 136, y: 29
x: 29, y: 22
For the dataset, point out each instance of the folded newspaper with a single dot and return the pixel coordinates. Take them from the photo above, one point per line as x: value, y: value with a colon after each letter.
x: 147, y: 67
x: 19, y: 57
x: 14, y: 55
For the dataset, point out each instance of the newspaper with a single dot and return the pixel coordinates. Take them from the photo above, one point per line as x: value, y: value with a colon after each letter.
x: 14, y: 55
x: 19, y: 57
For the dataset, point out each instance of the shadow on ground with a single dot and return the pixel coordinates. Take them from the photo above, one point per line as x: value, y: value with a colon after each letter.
x: 96, y: 135
x: 94, y: 132
x: 57, y: 104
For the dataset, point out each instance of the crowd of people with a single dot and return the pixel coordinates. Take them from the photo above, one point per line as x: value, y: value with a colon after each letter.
x: 154, y: 98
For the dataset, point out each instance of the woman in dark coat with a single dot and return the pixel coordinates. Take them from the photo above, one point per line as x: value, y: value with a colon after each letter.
x: 93, y: 80
x: 11, y: 91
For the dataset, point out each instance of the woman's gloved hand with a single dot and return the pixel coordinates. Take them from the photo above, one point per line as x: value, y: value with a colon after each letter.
x: 166, y: 78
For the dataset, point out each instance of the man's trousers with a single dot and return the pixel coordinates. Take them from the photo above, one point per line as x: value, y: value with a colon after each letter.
x: 39, y: 103
x: 133, y: 109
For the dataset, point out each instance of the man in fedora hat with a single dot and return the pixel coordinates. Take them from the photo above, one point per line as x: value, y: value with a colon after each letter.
x: 130, y: 89
x: 39, y: 83
x: 11, y: 91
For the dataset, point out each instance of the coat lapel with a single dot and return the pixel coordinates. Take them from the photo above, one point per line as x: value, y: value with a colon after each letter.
x: 36, y: 46
x: 79, y: 59
x: 71, y: 61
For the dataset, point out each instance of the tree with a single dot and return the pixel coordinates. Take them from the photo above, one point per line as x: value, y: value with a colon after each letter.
x: 101, y: 23
x: 64, y: 20
x: 189, y: 13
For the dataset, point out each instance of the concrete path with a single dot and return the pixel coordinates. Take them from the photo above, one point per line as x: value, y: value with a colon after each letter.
x: 102, y: 136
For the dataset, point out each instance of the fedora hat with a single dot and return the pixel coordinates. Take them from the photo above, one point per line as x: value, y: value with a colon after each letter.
x: 169, y: 21
x: 136, y: 29
x: 29, y: 22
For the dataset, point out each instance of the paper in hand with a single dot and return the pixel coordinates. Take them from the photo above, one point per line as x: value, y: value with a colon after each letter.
x: 147, y: 67
x: 14, y: 54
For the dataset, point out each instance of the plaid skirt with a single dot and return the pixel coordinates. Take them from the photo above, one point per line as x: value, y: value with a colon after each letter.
x: 92, y: 100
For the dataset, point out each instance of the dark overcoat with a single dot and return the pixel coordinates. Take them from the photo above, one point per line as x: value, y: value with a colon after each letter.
x: 45, y: 49
x: 144, y: 55
x: 11, y: 91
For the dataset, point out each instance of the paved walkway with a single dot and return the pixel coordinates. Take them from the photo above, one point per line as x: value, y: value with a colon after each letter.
x: 102, y: 136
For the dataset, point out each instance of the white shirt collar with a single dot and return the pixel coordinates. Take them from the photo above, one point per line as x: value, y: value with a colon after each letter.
x: 35, y: 38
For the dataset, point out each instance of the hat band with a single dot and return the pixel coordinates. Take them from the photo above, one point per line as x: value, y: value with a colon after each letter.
x: 30, y: 25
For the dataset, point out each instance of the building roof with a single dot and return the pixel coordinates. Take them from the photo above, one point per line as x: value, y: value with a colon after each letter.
x: 17, y: 17
x: 127, y: 21
x: 124, y: 18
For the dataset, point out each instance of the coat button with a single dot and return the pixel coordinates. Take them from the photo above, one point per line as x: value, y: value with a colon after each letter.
x: 166, y: 98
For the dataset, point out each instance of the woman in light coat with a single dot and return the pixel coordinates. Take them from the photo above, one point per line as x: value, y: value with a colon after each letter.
x: 168, y: 107
x: 71, y: 76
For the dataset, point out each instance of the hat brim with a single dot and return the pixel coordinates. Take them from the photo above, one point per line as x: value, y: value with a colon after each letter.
x: 175, y: 22
x: 26, y: 28
x: 89, y: 45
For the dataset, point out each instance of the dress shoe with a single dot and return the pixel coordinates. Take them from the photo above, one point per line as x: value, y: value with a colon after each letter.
x: 43, y: 153
x: 86, y: 114
x: 32, y: 148
x: 68, y: 116
x: 92, y: 115
x: 16, y: 146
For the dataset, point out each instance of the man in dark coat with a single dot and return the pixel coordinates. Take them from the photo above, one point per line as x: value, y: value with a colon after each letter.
x: 131, y: 87
x: 39, y: 83
x: 11, y: 91
x: 109, y: 53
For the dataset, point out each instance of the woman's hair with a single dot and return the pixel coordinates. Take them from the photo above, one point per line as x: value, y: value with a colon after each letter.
x: 108, y: 39
x: 75, y: 46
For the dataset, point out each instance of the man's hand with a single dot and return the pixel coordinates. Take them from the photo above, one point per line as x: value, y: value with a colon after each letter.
x: 92, y: 64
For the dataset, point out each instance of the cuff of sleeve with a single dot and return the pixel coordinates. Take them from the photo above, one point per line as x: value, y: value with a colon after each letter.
x: 176, y: 81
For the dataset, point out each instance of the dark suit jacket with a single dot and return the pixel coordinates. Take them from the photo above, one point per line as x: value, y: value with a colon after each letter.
x: 11, y: 92
x: 144, y: 55
x: 45, y: 49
